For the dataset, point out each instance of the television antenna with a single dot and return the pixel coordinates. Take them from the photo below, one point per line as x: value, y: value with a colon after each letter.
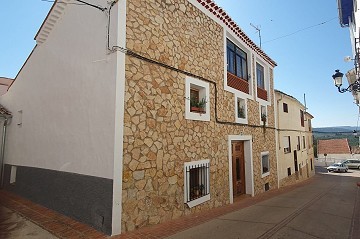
x: 257, y: 30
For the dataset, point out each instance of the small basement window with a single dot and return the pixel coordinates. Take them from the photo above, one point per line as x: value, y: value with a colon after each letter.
x: 196, y: 182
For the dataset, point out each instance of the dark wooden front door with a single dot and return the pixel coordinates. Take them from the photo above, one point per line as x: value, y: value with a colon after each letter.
x: 238, y: 168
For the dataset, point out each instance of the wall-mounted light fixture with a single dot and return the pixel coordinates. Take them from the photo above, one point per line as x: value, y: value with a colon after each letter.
x: 354, y: 84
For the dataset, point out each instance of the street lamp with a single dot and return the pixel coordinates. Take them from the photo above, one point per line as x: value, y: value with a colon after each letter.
x: 354, y: 84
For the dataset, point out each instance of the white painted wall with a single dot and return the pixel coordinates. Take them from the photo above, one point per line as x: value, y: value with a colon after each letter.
x: 66, y: 93
x: 290, y: 125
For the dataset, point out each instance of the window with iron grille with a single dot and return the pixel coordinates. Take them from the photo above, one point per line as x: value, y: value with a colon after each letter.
x: 196, y: 182
x: 236, y: 61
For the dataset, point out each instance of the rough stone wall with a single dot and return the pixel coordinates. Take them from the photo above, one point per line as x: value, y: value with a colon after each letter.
x: 158, y: 140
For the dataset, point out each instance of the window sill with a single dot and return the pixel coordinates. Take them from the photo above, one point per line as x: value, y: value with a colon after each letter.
x: 198, y: 201
x: 241, y: 120
x: 265, y: 175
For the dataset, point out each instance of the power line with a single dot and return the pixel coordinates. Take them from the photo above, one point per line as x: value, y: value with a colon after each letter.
x: 81, y: 3
x: 63, y: 2
x: 303, y: 29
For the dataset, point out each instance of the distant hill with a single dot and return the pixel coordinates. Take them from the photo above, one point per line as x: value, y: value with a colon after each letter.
x: 336, y: 129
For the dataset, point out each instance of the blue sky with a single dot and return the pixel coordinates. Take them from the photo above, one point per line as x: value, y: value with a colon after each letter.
x: 306, y: 60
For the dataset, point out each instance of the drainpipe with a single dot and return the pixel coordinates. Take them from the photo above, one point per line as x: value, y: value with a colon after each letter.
x: 3, y: 152
x: 277, y: 135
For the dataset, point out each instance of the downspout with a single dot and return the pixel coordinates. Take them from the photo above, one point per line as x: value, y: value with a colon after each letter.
x: 3, y: 151
x: 277, y: 135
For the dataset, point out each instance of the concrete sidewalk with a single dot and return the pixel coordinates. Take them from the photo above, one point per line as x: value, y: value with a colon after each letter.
x: 327, y: 208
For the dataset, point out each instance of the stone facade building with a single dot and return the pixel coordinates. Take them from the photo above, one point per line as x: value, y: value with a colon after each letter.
x: 155, y: 110
x: 186, y: 50
x: 296, y: 150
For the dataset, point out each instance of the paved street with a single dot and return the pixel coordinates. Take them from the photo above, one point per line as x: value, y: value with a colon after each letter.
x: 323, y: 209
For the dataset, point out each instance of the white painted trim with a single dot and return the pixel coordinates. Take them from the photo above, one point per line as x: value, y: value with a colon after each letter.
x: 206, y: 88
x: 267, y: 114
x: 267, y: 81
x: 119, y: 120
x: 249, y: 167
x: 263, y: 175
x: 13, y: 174
x: 237, y: 119
x: 198, y: 201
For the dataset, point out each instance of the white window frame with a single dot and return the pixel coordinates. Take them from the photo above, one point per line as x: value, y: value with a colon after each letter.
x: 266, y: 81
x: 204, y: 92
x: 266, y: 173
x: 248, y: 51
x: 200, y: 200
x: 263, y: 108
x: 244, y: 104
x: 287, y: 142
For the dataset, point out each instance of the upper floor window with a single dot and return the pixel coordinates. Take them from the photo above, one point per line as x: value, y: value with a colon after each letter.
x: 236, y: 61
x: 304, y: 142
x: 302, y: 121
x: 285, y: 108
x: 260, y: 76
x: 287, y: 144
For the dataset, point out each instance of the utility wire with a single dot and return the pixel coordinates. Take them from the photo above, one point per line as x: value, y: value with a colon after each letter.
x: 63, y: 2
x: 306, y: 28
x: 81, y: 3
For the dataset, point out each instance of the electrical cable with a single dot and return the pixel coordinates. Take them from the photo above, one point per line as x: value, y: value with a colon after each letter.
x: 138, y: 56
x: 81, y: 3
x: 293, y: 33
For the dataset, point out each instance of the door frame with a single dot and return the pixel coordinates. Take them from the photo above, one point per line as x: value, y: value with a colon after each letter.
x: 248, y: 159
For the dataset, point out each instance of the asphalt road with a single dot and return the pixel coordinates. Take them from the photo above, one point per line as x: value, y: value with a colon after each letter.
x: 328, y: 208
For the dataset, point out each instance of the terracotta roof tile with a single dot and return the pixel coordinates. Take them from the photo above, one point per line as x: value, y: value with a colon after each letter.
x: 333, y: 146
